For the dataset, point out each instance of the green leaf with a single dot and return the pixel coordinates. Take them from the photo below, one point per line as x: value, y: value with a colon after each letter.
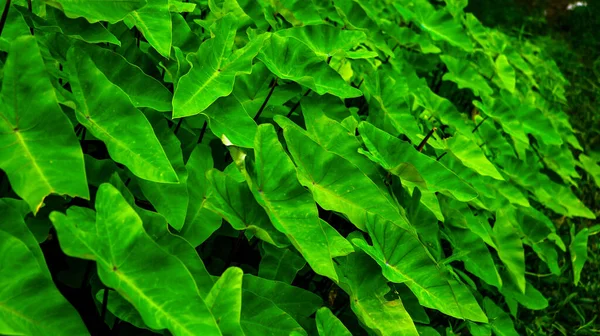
x: 465, y: 75
x: 230, y: 121
x: 99, y: 10
x: 14, y: 224
x: 154, y: 22
x: 325, y: 40
x: 506, y: 73
x: 262, y: 317
x: 31, y: 304
x: 121, y: 308
x: 579, y: 254
x: 200, y: 222
x: 500, y: 321
x: 81, y: 28
x: 290, y: 59
x: 471, y: 156
x: 295, y: 301
x: 438, y: 23
x: 129, y: 138
x: 591, y: 167
x: 404, y: 259
x: 214, y: 69
x: 336, y: 184
x: 478, y: 259
x: 225, y: 301
x: 334, y: 136
x: 392, y: 154
x: 361, y: 279
x: 182, y: 312
x: 289, y: 206
x: 233, y: 200
x: 329, y: 325
x: 509, y: 247
x: 39, y: 143
x: 170, y: 200
x: 280, y: 264
x: 142, y: 90
x: 531, y: 298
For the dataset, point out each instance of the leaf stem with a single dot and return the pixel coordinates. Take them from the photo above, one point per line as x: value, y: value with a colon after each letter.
x: 202, y: 131
x: 298, y: 103
x: 479, y: 124
x: 424, y: 141
x: 178, y: 126
x: 104, y: 304
x: 264, y: 104
x: 4, y: 15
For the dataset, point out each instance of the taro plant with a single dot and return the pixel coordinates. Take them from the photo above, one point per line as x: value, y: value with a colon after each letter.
x: 239, y: 167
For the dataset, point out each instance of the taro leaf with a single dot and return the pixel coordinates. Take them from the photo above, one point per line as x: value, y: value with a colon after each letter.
x: 169, y: 200
x: 361, y: 279
x: 99, y: 10
x: 393, y: 153
x: 200, y: 222
x: 181, y: 310
x: 464, y: 73
x: 142, y: 90
x: 329, y: 325
x: 225, y: 301
x: 591, y: 167
x: 478, y: 259
x: 411, y: 303
x: 336, y: 184
x: 295, y: 301
x: 252, y: 90
x: 262, y: 317
x: 80, y: 28
x: 272, y: 180
x: 509, y: 246
x: 229, y: 121
x: 106, y: 111
x: 31, y: 304
x: 325, y: 40
x: 214, y: 69
x: 13, y: 224
x: 471, y: 156
x: 156, y: 227
x: 500, y: 321
x: 389, y: 108
x: 233, y: 201
x: 438, y: 23
x: 404, y: 259
x: 154, y: 22
x: 39, y: 145
x: 281, y: 264
x: 579, y: 253
x: 290, y: 59
x: 405, y: 36
x: 121, y: 308
x: 439, y: 107
x: 531, y: 299
x: 506, y: 73
x: 333, y: 136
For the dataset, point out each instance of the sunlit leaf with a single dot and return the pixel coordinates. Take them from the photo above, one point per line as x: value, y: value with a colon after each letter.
x: 39, y: 145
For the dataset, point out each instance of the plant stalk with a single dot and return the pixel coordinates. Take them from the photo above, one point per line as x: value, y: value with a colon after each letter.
x: 424, y: 141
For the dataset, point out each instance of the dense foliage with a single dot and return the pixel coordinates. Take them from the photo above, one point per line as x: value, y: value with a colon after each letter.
x: 280, y: 167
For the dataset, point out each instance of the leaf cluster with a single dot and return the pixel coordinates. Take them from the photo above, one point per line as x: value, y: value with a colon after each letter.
x: 285, y: 167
